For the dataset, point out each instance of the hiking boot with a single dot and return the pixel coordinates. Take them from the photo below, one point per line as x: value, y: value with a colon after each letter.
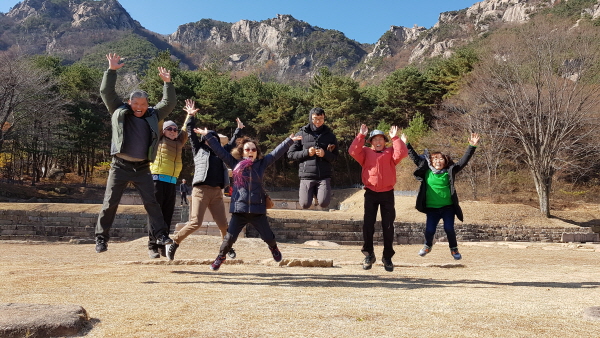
x: 454, y: 252
x: 368, y: 262
x: 101, y: 244
x: 171, y: 251
x: 164, y: 240
x: 276, y: 253
x: 162, y: 250
x: 217, y: 263
x: 231, y: 253
x: 387, y: 264
x: 426, y: 249
x: 153, y: 253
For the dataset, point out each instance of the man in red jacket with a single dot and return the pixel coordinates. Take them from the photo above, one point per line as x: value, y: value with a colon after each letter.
x: 379, y: 177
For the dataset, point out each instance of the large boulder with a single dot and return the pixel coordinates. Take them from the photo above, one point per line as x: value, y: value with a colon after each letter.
x: 41, y: 320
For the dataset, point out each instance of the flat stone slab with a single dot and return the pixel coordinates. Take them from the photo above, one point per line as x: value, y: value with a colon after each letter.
x: 592, y: 313
x: 41, y: 320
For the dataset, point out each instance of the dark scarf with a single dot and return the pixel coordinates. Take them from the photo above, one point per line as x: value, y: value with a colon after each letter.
x: 435, y: 171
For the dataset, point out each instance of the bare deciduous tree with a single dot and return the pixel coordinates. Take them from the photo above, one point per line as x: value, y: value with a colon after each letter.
x: 23, y: 88
x: 538, y: 77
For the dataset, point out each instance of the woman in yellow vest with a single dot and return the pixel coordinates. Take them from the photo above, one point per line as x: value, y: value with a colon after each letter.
x: 165, y: 169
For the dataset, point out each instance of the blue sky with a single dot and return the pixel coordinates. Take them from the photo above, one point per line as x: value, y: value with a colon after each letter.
x: 364, y: 21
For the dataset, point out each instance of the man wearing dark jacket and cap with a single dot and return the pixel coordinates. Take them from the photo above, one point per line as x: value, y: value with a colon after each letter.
x: 317, y: 149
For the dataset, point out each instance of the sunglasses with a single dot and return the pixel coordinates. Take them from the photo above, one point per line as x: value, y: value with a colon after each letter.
x: 250, y: 150
x: 170, y: 129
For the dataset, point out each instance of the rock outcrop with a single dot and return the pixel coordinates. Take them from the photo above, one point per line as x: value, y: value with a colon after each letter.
x: 294, y: 48
x: 41, y: 320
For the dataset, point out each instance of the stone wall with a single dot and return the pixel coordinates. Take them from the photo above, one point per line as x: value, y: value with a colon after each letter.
x: 350, y: 232
x: 63, y: 222
x: 42, y: 224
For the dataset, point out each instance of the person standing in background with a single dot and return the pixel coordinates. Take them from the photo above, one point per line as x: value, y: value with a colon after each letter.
x: 184, y: 190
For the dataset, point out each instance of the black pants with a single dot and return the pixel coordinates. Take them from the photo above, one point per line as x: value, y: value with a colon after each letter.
x: 374, y: 200
x: 121, y: 173
x: 184, y: 197
x: 238, y: 222
x: 165, y: 196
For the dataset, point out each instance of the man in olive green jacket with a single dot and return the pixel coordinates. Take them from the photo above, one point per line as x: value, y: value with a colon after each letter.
x: 135, y: 136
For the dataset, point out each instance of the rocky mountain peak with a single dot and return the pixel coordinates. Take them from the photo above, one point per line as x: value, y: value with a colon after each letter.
x: 92, y: 14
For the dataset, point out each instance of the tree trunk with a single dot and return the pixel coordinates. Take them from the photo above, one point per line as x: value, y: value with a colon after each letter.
x: 543, y: 185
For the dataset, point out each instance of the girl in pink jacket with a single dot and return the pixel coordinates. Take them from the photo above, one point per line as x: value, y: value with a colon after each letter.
x: 379, y: 177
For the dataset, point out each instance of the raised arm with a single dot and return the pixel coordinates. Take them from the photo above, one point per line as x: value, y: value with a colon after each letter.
x: 356, y: 148
x: 297, y: 152
x: 212, y: 139
x: 417, y: 160
x: 109, y: 80
x: 281, y: 149
x: 473, y: 142
x: 400, y: 150
x: 236, y: 134
x: 169, y: 99
x: 190, y: 125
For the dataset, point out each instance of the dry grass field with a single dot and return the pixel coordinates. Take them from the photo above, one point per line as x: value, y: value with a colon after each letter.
x: 498, y: 289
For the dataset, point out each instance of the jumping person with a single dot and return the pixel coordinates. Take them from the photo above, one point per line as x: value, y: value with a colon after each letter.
x: 379, y: 177
x: 316, y: 151
x: 211, y: 176
x: 134, y: 142
x: 165, y: 169
x: 437, y: 196
x: 248, y: 200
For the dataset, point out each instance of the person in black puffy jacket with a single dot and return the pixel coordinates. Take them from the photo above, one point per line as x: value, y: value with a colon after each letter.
x: 315, y: 152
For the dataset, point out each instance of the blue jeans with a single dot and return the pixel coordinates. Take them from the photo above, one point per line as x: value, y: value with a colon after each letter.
x: 433, y: 218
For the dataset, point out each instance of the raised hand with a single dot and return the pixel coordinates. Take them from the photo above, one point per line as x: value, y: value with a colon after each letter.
x: 190, y: 107
x: 114, y: 61
x: 403, y: 138
x: 474, y: 140
x: 164, y: 74
x: 201, y: 131
x: 393, y: 131
x: 363, y: 129
x: 239, y: 123
x: 295, y: 138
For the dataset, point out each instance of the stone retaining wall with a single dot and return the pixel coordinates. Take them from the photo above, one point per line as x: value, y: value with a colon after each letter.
x: 350, y: 232
x: 64, y: 226
x: 40, y: 222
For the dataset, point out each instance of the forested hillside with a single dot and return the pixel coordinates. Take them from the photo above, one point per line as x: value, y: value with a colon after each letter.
x: 528, y: 86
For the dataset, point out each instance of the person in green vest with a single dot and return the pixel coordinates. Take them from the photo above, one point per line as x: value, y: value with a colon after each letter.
x: 437, y: 196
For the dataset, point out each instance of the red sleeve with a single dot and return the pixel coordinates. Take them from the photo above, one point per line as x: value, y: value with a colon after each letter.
x: 400, y: 150
x: 356, y: 149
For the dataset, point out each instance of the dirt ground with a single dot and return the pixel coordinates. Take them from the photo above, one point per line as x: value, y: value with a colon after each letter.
x: 498, y: 289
